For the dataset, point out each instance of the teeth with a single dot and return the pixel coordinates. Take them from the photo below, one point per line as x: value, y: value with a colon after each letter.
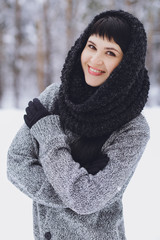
x: 93, y: 70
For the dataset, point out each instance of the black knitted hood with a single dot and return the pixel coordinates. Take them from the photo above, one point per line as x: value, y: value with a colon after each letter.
x: 96, y: 111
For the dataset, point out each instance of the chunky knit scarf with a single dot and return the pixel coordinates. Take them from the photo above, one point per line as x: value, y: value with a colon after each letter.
x: 97, y: 111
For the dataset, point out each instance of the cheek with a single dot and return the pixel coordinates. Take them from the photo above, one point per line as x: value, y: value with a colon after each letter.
x: 84, y: 57
x: 112, y: 65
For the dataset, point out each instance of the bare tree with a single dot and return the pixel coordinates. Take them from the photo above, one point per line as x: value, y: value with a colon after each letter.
x: 48, y: 43
x: 40, y: 57
x: 17, y: 57
x: 150, y: 39
x: 69, y: 28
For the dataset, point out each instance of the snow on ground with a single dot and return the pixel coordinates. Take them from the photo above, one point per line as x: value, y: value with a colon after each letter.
x: 141, y: 199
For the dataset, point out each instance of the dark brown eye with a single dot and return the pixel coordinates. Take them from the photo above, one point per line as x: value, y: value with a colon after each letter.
x: 110, y: 53
x: 91, y: 46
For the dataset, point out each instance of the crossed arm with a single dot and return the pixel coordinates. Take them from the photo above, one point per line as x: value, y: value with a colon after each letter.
x: 41, y: 166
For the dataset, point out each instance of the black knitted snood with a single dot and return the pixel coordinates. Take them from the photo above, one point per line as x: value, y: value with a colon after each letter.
x: 97, y: 111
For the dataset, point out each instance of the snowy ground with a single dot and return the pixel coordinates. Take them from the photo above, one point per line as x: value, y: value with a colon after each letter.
x: 141, y: 199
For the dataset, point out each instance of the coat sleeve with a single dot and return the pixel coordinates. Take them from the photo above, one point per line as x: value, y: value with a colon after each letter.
x: 82, y: 192
x: 24, y: 169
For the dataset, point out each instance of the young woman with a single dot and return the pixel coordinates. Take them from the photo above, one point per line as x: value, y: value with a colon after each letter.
x: 82, y: 140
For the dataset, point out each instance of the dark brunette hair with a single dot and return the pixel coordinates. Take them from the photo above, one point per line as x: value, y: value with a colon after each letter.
x: 115, y: 28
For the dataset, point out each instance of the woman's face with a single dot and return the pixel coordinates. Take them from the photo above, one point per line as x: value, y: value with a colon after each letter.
x: 99, y: 58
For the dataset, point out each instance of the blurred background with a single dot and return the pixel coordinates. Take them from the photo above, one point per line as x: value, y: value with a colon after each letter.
x: 35, y: 36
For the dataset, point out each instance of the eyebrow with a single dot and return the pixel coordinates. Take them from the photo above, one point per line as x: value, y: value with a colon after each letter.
x: 108, y: 48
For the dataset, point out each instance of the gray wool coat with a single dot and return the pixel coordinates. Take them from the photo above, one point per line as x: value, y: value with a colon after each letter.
x: 69, y: 203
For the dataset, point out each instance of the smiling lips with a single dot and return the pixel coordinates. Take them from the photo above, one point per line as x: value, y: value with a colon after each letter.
x: 95, y: 71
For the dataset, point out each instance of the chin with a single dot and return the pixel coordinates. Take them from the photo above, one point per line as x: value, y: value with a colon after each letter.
x: 94, y: 83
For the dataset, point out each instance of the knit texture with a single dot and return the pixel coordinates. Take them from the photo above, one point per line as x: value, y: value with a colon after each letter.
x: 69, y: 203
x: 96, y: 111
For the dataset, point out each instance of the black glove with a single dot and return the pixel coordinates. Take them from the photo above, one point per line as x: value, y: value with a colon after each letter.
x: 35, y: 111
x: 99, y: 164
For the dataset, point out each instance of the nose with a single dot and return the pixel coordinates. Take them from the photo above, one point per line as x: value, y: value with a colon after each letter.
x: 97, y: 59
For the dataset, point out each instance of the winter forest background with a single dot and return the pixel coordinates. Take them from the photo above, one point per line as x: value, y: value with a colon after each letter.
x: 35, y: 36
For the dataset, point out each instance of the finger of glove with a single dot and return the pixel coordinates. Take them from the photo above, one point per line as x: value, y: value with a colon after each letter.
x: 30, y: 111
x: 38, y: 105
x: 30, y: 121
x: 32, y: 107
x: 27, y: 121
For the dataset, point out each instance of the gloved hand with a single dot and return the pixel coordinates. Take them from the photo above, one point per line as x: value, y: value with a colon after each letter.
x: 35, y: 111
x: 97, y: 165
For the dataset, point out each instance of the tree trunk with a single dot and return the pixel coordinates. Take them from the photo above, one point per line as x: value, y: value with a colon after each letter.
x: 48, y: 47
x: 69, y: 29
x: 40, y: 58
x: 150, y: 34
x: 16, y: 59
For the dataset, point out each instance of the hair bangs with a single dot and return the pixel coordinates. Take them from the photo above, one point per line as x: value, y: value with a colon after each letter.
x: 113, y: 28
x: 104, y: 28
